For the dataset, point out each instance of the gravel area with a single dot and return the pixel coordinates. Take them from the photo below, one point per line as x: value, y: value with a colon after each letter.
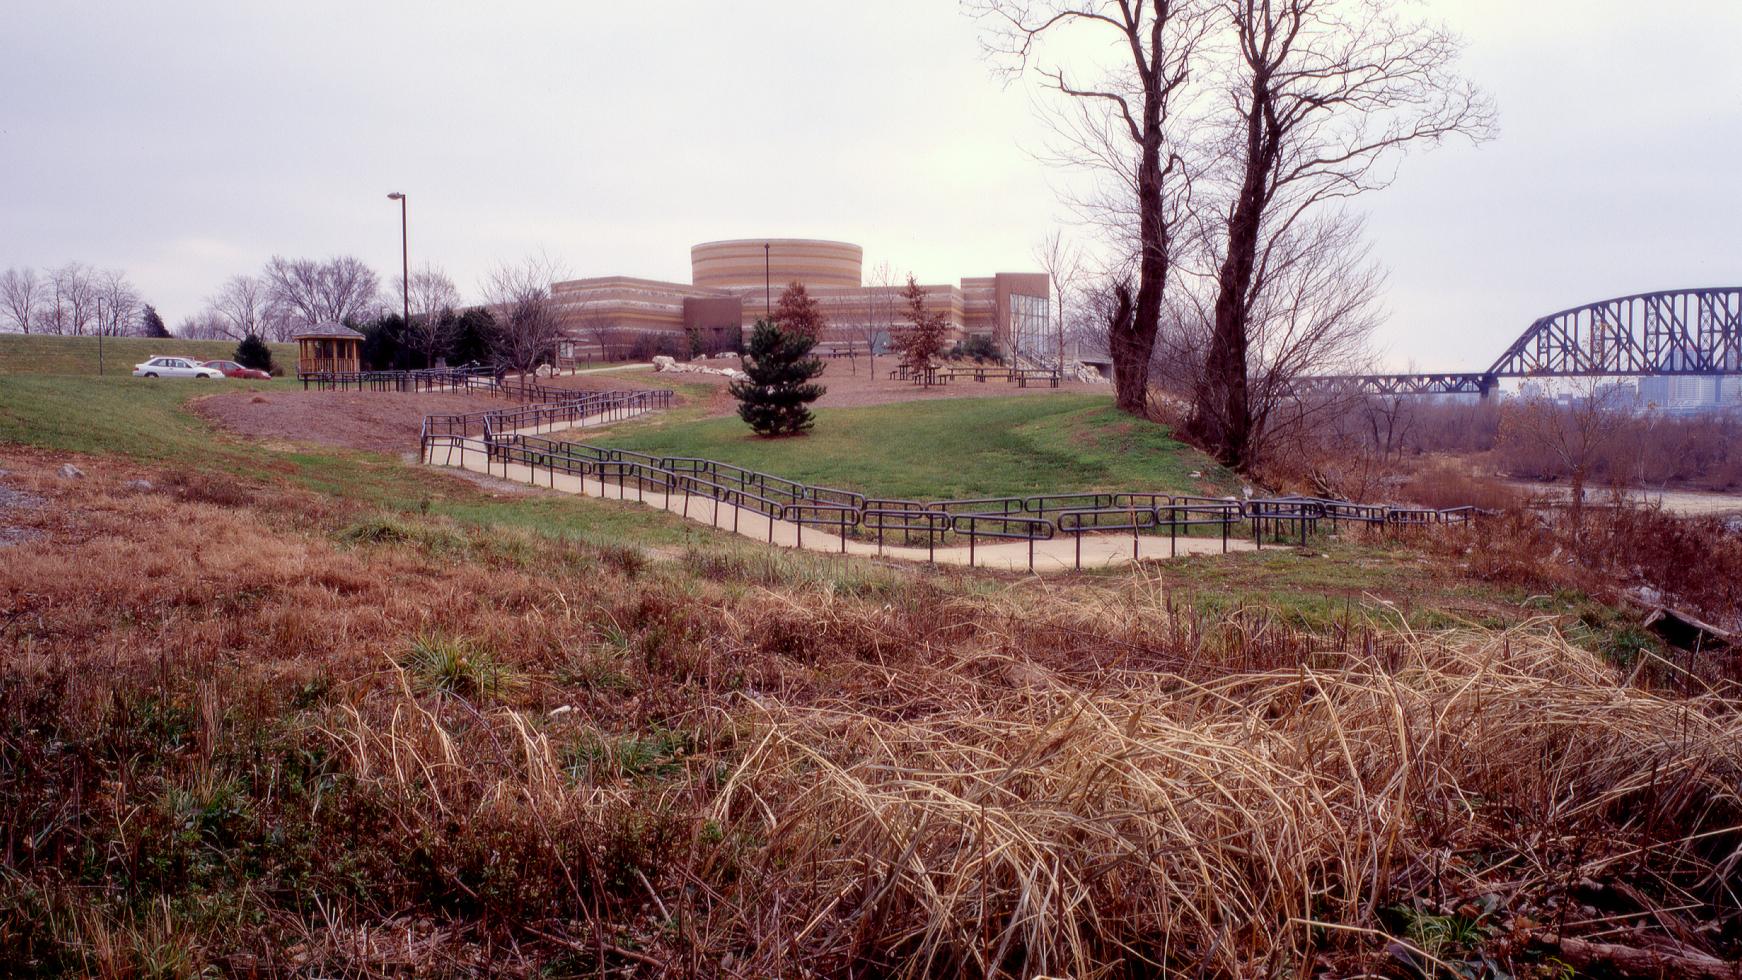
x: 13, y: 500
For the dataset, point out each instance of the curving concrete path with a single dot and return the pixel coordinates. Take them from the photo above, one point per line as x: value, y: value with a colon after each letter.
x: 1057, y: 555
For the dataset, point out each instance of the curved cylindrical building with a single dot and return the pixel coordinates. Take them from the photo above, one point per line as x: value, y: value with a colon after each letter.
x: 740, y: 262
x: 735, y: 283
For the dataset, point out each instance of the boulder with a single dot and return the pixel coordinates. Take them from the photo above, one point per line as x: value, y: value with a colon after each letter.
x: 70, y: 472
x: 1078, y: 371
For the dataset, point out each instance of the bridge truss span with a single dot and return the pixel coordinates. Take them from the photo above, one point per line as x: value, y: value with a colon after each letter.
x: 1670, y: 332
x: 1683, y: 331
x: 1392, y: 384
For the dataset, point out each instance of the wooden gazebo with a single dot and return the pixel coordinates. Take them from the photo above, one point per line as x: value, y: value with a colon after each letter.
x: 328, y: 348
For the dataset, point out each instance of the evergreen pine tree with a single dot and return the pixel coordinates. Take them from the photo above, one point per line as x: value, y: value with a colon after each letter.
x: 471, y: 339
x: 151, y: 324
x: 252, y: 352
x: 774, y: 396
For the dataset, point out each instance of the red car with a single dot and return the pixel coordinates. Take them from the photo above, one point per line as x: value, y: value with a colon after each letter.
x: 233, y: 370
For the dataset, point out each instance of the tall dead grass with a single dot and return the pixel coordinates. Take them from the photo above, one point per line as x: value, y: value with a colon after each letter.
x: 1156, y: 822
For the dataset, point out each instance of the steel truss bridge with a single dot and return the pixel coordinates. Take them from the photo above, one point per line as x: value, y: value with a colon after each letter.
x: 1673, y: 332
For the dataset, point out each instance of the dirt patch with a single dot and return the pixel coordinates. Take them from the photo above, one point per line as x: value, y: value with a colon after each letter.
x: 379, y: 421
x: 626, y: 380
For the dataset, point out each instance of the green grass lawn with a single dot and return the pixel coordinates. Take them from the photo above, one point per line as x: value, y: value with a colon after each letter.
x: 967, y: 447
x: 39, y: 354
x: 150, y: 423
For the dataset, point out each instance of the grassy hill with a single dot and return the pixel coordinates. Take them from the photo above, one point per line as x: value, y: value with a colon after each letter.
x: 39, y: 354
x: 968, y: 447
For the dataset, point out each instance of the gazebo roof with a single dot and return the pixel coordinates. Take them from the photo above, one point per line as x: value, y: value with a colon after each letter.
x: 327, y: 331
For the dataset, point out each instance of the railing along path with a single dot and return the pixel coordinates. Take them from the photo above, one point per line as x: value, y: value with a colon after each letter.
x: 781, y: 510
x: 513, y: 443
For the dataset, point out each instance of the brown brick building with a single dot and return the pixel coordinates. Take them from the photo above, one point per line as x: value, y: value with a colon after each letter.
x: 733, y: 284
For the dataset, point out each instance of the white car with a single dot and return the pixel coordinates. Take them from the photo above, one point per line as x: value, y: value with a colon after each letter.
x: 174, y: 367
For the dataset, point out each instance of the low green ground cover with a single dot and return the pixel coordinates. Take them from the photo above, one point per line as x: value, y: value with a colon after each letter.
x: 969, y: 447
x: 39, y: 354
x: 151, y: 423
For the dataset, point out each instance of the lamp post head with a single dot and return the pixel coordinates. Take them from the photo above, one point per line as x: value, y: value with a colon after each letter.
x: 396, y: 196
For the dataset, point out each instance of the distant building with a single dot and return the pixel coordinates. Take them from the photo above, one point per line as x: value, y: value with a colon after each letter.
x: 734, y: 283
x: 1654, y: 391
x: 1683, y: 394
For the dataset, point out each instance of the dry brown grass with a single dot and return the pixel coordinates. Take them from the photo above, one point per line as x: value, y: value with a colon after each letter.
x: 228, y: 758
x: 1036, y: 826
x: 1452, y: 482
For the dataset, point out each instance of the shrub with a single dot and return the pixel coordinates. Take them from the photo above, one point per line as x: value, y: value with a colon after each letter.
x: 252, y: 352
x: 455, y: 665
x: 774, y: 397
x: 648, y: 346
x: 980, y: 348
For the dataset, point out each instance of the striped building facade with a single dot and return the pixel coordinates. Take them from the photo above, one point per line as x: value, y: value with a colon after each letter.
x: 735, y: 283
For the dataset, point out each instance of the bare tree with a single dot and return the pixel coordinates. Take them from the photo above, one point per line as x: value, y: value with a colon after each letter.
x: 71, y: 300
x: 527, y: 327
x: 1354, y: 451
x: 1315, y: 313
x: 1323, y: 95
x: 208, y: 324
x: 434, y: 297
x: 116, y: 303
x: 20, y: 298
x: 241, y: 304
x: 877, y: 329
x: 1574, y: 434
x: 1121, y: 125
x: 593, y: 322
x: 1065, y: 268
x: 305, y: 292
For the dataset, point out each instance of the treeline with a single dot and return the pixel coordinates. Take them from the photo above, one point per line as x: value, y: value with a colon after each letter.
x: 289, y: 295
x: 1368, y: 446
x: 515, y: 329
x: 75, y: 300
x: 447, y: 337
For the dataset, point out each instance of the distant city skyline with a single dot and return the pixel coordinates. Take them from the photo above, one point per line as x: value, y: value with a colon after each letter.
x: 188, y: 142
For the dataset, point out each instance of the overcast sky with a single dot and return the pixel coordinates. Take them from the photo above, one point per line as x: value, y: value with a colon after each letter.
x: 186, y: 142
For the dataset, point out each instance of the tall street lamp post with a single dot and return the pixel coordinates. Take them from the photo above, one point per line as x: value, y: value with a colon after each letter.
x: 767, y: 285
x: 404, y: 260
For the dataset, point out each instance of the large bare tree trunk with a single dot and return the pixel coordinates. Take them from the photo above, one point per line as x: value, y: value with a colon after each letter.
x: 1224, y: 415
x: 1121, y: 132
x: 1324, y: 95
x: 1133, y: 343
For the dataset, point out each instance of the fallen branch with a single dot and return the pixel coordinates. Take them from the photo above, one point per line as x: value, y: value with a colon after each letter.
x: 1632, y: 961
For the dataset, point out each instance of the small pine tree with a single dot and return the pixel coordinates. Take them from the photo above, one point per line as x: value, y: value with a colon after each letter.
x: 922, y: 340
x: 798, y: 313
x: 774, y: 396
x: 151, y: 324
x: 471, y: 339
x: 252, y: 352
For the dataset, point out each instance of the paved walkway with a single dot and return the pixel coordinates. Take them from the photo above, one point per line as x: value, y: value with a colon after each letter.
x: 1057, y: 555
